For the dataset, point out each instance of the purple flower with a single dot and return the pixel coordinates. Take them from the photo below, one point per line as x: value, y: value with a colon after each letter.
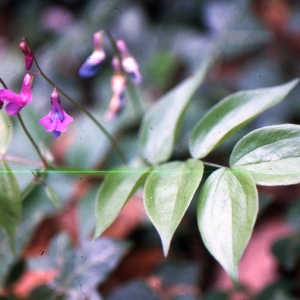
x: 17, y: 101
x: 57, y: 120
x: 117, y: 102
x: 129, y: 64
x: 92, y: 64
x: 27, y: 52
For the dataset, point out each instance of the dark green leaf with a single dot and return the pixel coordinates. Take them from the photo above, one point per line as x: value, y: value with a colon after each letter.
x: 271, y: 154
x: 227, y: 210
x: 285, y: 287
x: 5, y: 129
x: 116, y: 189
x: 168, y: 192
x: 133, y: 290
x: 10, y: 202
x: 216, y: 295
x: 232, y: 113
x: 174, y: 273
x: 15, y: 272
x: 293, y: 214
x: 287, y: 251
x: 162, y: 123
x: 33, y: 210
x: 44, y: 292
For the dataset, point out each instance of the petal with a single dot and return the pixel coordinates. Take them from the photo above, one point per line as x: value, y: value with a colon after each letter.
x: 115, y: 107
x: 98, y: 40
x: 28, y: 61
x: 118, y: 84
x: 10, y: 96
x: 13, y: 108
x: 62, y: 125
x: 26, y: 91
x: 92, y: 64
x: 47, y: 122
x: 130, y: 66
x: 56, y: 134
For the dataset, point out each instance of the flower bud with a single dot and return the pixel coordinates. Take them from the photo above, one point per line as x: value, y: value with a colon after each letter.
x: 27, y: 52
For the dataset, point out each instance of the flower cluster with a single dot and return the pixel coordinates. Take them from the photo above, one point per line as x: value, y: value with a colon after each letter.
x: 122, y: 61
x: 57, y: 120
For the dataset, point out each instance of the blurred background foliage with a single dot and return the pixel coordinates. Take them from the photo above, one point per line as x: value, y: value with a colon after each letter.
x: 258, y: 45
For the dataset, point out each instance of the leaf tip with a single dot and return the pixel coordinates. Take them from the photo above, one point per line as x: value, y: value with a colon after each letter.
x: 233, y: 274
x: 235, y: 282
x: 96, y: 235
x: 166, y: 246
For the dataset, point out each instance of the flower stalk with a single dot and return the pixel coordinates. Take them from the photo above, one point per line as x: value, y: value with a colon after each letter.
x: 32, y: 141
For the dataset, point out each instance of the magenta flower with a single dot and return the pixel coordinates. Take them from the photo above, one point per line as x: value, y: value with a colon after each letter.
x: 92, y: 64
x: 57, y: 120
x: 27, y: 52
x: 129, y: 64
x: 17, y: 101
x: 117, y: 102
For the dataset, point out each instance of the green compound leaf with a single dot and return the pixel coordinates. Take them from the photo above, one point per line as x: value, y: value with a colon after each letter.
x: 114, y: 192
x: 168, y: 192
x: 271, y: 154
x: 226, y: 212
x: 5, y: 129
x: 162, y: 122
x: 10, y: 202
x: 232, y: 113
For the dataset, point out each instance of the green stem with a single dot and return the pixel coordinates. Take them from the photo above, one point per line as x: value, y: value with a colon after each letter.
x: 32, y: 141
x: 99, y: 125
x: 3, y: 83
x: 138, y: 109
x: 213, y: 165
x: 135, y: 99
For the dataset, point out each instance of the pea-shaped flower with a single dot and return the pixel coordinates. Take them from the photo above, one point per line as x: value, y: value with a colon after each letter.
x: 92, y: 64
x: 129, y: 64
x: 17, y: 101
x: 57, y: 120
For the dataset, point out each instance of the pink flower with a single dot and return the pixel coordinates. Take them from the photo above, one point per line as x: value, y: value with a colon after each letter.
x: 57, y: 120
x: 129, y: 64
x: 27, y: 52
x: 117, y: 102
x: 17, y: 101
x: 92, y: 64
